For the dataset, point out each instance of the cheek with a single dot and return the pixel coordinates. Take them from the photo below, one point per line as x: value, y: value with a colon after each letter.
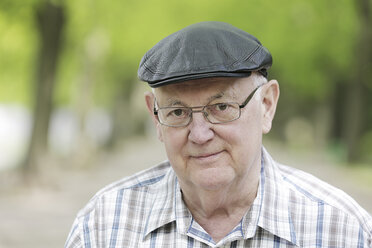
x: 244, y: 139
x: 174, y: 141
x: 159, y: 132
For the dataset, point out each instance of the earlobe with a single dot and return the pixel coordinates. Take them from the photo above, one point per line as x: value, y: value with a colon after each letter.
x: 149, y: 98
x: 269, y: 101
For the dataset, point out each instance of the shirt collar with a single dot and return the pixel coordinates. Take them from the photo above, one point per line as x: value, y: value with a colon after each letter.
x: 167, y: 206
x: 274, y: 213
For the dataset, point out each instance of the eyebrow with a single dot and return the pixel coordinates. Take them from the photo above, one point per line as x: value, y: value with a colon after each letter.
x: 221, y: 94
x: 173, y: 102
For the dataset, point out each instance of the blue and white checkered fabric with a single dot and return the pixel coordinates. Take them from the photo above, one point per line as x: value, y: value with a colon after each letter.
x: 292, y: 209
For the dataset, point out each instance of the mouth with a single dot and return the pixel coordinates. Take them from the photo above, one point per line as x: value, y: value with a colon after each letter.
x: 206, y: 156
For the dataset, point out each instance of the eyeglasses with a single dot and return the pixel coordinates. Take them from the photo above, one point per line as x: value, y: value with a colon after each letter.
x: 215, y: 113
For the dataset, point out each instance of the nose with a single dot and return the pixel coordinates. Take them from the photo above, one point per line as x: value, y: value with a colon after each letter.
x: 200, y: 129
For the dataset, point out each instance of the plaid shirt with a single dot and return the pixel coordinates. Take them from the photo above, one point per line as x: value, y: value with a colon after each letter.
x: 292, y: 209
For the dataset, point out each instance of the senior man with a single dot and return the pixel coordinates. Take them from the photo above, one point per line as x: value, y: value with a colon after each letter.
x: 211, y: 103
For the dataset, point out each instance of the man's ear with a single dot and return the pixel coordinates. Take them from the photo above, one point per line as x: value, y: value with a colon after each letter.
x: 150, y: 100
x: 270, y: 96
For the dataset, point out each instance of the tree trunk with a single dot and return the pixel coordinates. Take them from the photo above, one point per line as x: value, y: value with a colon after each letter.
x: 50, y: 22
x: 357, y: 93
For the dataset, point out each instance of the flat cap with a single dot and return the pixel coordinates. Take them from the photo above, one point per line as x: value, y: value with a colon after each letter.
x: 203, y: 50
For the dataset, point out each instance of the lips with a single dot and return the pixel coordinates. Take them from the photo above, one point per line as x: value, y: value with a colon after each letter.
x: 206, y: 155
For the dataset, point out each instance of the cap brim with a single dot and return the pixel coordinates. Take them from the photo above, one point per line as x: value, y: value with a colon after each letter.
x: 198, y: 76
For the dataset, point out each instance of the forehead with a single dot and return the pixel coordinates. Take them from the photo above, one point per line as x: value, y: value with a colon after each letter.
x: 204, y: 88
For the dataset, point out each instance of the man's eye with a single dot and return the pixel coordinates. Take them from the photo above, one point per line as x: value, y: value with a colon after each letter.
x: 177, y: 112
x: 221, y: 106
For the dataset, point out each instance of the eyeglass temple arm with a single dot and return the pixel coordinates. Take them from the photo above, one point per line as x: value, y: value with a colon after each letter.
x: 248, y: 98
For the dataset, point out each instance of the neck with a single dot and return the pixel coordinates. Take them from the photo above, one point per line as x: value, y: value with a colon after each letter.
x: 219, y: 211
x: 208, y: 203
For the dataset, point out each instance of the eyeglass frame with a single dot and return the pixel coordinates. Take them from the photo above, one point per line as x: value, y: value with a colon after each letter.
x: 202, y: 110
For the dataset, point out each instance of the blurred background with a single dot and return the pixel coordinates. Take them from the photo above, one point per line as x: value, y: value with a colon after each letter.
x: 72, y: 112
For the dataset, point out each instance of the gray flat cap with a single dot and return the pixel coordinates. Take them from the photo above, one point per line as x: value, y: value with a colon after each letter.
x: 202, y: 50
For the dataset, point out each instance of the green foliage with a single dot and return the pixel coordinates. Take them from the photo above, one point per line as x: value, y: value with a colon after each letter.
x: 311, y: 41
x: 17, y: 42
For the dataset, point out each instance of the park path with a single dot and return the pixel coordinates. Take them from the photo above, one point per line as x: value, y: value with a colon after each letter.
x: 41, y: 215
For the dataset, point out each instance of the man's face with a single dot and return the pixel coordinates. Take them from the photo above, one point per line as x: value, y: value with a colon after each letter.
x: 211, y: 156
